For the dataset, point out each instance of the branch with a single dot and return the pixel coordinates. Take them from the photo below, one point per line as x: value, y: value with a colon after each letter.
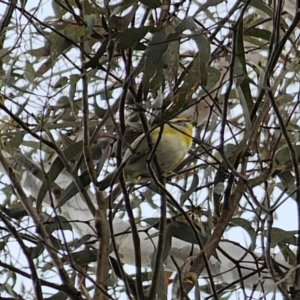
x: 71, y: 290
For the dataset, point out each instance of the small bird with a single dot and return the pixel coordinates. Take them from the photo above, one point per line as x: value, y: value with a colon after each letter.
x: 175, y: 139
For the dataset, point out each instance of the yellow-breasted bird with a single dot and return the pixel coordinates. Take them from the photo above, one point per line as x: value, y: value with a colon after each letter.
x: 175, y: 140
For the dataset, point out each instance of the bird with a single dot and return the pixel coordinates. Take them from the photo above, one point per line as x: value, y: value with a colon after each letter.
x: 174, y: 141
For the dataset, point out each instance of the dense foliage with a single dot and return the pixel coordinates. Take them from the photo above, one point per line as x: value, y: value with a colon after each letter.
x: 80, y: 80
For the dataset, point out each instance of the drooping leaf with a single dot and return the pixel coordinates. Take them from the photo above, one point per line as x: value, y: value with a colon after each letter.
x: 36, y: 251
x: 154, y: 54
x: 246, y: 225
x: 152, y: 3
x: 82, y: 257
x: 131, y: 36
x: 71, y: 190
x: 57, y: 166
x: 58, y: 223
x: 279, y: 235
x: 76, y: 243
x: 57, y: 296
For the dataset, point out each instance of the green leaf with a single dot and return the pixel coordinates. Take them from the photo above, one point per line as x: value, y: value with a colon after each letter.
x: 219, y: 188
x: 131, y: 36
x: 178, y: 230
x: 58, y: 223
x: 283, y: 155
x: 288, y: 254
x: 15, y: 142
x: 74, y: 78
x: 61, y: 82
x: 261, y: 6
x: 71, y: 190
x: 82, y: 257
x: 15, y: 211
x: 160, y: 286
x: 59, y: 11
x: 76, y: 243
x: 191, y: 190
x: 154, y: 54
x: 219, y: 179
x: 258, y: 33
x: 57, y: 296
x: 288, y: 180
x: 245, y: 224
x: 36, y: 251
x: 90, y: 21
x: 202, y: 45
x: 29, y: 72
x: 57, y: 166
x: 152, y: 3
x: 214, y: 76
x: 279, y: 235
x: 185, y: 233
x: 209, y: 3
x: 94, y: 61
x: 246, y: 100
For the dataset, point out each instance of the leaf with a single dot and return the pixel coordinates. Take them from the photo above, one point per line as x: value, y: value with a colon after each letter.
x: 152, y: 3
x: 82, y: 257
x: 283, y: 155
x: 59, y: 11
x: 261, y: 6
x: 244, y: 91
x: 130, y: 37
x: 279, y: 235
x: 36, y: 251
x: 229, y: 150
x: 202, y: 44
x: 57, y: 296
x: 154, y: 54
x: 288, y: 180
x: 178, y: 230
x: 191, y: 82
x: 15, y: 142
x: 45, y: 67
x: 185, y: 233
x: 214, y: 76
x: 160, y: 286
x: 57, y: 166
x: 99, y: 111
x: 57, y: 44
x: 39, y: 52
x: 209, y: 3
x: 288, y: 254
x: 29, y: 72
x: 219, y: 188
x: 16, y: 211
x: 71, y: 190
x: 57, y: 244
x: 62, y: 81
x: 74, y: 78
x: 246, y: 225
x: 120, y: 7
x: 58, y: 223
x: 193, y: 187
x: 258, y: 33
x: 219, y: 179
x: 94, y: 61
x: 76, y: 243
x: 90, y: 21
